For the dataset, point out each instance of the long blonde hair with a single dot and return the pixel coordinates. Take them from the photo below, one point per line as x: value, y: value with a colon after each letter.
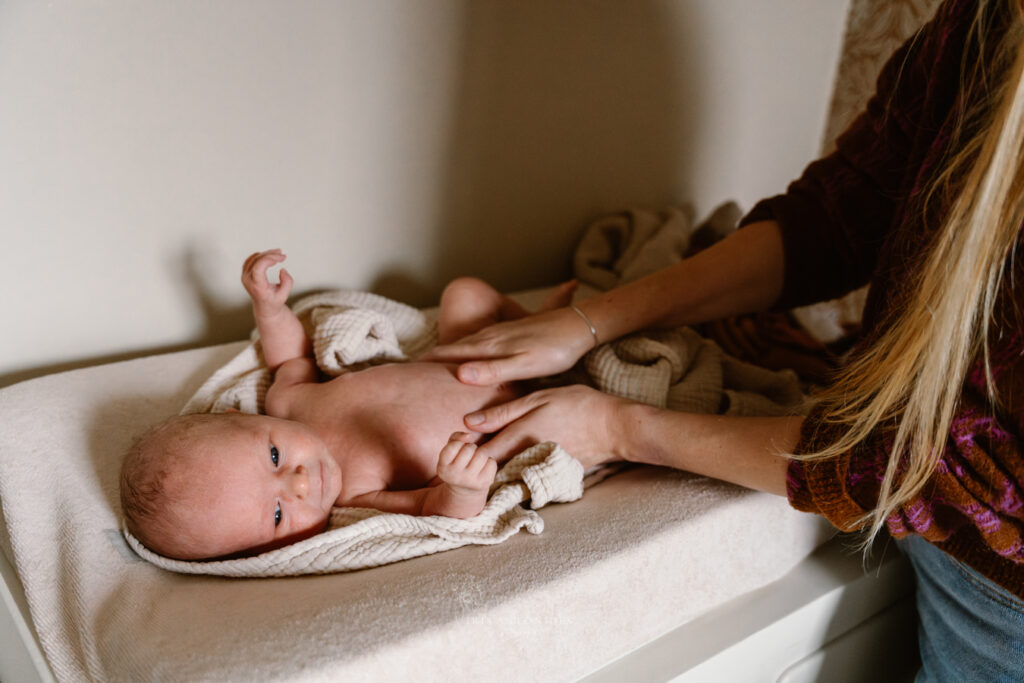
x: 911, y: 378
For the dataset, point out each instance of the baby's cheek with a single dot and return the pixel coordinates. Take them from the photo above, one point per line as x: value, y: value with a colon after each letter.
x: 315, y: 522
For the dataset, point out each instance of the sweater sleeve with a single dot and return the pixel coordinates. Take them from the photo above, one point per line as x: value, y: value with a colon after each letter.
x: 976, y: 491
x: 835, y: 217
x: 853, y: 211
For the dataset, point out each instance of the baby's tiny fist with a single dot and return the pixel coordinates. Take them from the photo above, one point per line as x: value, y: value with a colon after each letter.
x: 461, y: 466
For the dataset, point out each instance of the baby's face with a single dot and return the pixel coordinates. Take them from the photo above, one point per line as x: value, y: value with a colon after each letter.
x: 252, y: 483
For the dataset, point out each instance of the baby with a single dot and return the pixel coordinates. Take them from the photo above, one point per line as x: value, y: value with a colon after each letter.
x: 206, y: 486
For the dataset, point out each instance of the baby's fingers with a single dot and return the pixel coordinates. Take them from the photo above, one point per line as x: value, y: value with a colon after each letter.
x: 456, y: 453
x: 255, y: 267
x: 482, y: 466
x: 285, y: 286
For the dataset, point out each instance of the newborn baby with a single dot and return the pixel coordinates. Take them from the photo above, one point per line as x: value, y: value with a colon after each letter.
x: 215, y: 485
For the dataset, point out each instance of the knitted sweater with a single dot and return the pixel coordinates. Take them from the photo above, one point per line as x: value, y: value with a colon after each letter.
x: 850, y: 219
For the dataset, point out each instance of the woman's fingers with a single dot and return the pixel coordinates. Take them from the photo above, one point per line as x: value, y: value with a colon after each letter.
x: 467, y: 348
x: 495, y: 371
x: 585, y: 422
x: 496, y: 417
x: 539, y: 345
x: 464, y: 437
x: 509, y: 442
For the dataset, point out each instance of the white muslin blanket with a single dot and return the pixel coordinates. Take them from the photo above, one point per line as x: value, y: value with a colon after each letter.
x: 675, y: 369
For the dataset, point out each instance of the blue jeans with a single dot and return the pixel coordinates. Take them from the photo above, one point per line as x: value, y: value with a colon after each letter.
x: 969, y: 628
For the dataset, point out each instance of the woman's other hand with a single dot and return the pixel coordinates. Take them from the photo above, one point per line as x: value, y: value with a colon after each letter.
x: 589, y: 425
x: 536, y: 346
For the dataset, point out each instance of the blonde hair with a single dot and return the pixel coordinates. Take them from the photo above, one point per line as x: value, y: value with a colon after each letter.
x: 911, y: 378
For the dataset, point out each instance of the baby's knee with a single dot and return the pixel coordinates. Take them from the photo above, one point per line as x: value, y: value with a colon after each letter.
x: 466, y: 291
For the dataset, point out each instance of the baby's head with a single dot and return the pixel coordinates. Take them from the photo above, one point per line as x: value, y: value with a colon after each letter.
x: 205, y: 486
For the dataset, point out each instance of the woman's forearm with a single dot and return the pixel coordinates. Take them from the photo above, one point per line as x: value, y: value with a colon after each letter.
x: 749, y: 451
x: 740, y: 274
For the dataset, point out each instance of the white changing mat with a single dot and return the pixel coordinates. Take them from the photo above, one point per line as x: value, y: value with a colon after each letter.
x: 641, y: 553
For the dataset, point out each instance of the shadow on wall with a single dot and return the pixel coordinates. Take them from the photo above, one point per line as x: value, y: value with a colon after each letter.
x: 222, y: 320
x: 564, y: 111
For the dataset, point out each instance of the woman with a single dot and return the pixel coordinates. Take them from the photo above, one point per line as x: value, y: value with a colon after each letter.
x: 922, y: 431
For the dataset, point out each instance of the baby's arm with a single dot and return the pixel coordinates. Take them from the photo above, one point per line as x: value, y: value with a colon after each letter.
x: 281, y: 333
x: 464, y: 475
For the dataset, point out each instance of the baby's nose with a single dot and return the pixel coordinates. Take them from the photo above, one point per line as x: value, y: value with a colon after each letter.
x: 298, y: 482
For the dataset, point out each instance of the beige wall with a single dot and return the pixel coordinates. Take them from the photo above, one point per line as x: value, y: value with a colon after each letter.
x: 146, y: 147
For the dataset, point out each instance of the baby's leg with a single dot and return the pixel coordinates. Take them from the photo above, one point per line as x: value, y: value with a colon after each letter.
x: 469, y: 304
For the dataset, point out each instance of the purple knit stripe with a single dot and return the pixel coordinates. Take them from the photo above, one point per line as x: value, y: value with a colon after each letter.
x: 796, y: 479
x: 919, y: 517
x: 1015, y: 552
x: 896, y: 526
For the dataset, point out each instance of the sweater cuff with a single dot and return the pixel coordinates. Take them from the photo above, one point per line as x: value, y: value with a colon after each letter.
x: 796, y: 488
x: 821, y: 486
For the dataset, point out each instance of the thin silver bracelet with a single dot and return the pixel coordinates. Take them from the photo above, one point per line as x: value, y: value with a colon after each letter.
x: 593, y: 330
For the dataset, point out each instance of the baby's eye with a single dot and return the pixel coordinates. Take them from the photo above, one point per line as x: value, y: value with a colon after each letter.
x: 274, y: 456
x: 277, y: 515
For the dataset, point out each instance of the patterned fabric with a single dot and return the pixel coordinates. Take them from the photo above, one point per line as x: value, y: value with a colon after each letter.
x: 851, y: 218
x: 874, y: 29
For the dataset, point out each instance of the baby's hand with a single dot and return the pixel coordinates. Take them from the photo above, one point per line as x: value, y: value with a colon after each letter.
x: 267, y: 298
x: 464, y: 469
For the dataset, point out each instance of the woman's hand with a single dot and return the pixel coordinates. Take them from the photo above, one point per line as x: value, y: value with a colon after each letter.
x: 596, y: 428
x: 536, y: 346
x: 589, y: 425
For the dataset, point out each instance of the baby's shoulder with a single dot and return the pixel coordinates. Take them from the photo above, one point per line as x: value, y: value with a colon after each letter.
x: 291, y: 386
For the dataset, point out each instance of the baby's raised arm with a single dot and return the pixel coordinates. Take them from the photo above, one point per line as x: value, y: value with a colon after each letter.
x: 281, y: 334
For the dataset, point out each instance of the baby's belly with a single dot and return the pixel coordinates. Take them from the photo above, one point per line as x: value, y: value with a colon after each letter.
x: 416, y: 407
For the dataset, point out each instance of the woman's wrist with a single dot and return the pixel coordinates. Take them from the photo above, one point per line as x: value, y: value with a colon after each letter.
x: 630, y: 433
x: 590, y: 326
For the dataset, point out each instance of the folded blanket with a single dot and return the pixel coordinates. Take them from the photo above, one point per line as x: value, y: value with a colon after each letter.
x: 674, y: 369
x: 627, y: 245
x: 349, y: 330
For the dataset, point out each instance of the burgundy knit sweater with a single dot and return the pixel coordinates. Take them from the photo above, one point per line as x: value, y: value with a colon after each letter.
x: 850, y: 219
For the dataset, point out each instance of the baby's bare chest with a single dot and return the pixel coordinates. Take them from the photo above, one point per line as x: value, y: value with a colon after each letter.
x: 389, y: 423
